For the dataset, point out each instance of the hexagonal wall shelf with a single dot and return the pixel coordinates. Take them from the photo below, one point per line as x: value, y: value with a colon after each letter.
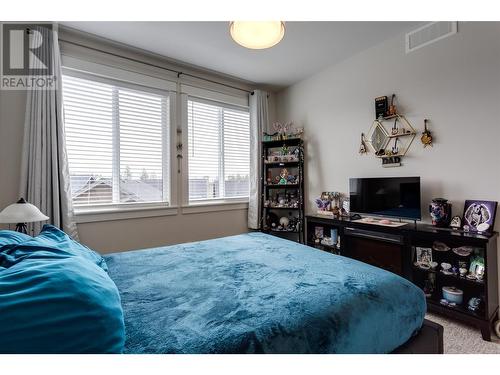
x: 390, y: 138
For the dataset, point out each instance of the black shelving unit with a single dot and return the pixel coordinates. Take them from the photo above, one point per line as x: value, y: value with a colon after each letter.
x: 375, y: 245
x: 271, y: 189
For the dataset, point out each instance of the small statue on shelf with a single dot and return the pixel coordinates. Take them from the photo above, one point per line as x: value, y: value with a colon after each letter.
x: 323, y: 204
x: 283, y: 177
x: 335, y: 197
x: 284, y: 150
x: 282, y: 130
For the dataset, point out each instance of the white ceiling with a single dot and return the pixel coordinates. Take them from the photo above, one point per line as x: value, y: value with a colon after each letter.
x: 307, y: 47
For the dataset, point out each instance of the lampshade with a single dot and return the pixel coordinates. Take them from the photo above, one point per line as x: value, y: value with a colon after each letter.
x: 257, y: 34
x: 21, y: 212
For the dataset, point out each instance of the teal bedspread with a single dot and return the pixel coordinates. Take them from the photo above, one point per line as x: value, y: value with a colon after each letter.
x: 255, y: 293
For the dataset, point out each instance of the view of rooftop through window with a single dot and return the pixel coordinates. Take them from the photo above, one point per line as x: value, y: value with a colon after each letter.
x: 218, y: 151
x: 116, y: 141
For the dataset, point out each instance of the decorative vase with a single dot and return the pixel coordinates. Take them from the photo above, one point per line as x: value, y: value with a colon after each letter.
x: 440, y: 211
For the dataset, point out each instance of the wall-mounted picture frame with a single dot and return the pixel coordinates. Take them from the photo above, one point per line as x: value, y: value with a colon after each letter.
x: 480, y: 215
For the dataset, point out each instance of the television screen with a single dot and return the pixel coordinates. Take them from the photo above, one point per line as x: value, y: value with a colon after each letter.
x: 386, y: 196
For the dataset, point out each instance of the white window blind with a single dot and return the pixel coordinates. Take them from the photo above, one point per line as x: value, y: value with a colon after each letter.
x: 117, y: 142
x: 218, y: 150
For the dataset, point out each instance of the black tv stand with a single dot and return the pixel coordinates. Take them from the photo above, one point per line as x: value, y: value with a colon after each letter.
x: 394, y: 249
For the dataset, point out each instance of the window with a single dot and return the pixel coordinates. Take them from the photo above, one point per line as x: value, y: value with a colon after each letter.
x: 218, y: 150
x: 117, y: 142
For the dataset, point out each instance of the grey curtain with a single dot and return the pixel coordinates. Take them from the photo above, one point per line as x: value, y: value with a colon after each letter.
x: 259, y: 119
x: 44, y: 172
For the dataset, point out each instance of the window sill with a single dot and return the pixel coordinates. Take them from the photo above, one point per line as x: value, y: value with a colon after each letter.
x: 110, y: 213
x: 214, y: 206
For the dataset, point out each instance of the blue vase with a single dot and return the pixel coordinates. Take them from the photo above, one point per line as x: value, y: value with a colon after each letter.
x: 440, y: 211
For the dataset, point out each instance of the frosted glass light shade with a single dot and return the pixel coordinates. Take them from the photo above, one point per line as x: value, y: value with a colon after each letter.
x: 257, y: 34
x: 21, y: 212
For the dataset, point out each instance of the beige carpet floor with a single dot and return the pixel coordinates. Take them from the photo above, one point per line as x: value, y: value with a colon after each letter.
x: 463, y: 339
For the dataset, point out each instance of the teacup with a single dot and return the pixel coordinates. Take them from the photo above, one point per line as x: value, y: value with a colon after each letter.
x: 463, y: 271
x: 446, y: 266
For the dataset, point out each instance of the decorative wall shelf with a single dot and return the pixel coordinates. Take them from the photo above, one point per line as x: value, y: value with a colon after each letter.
x: 390, y: 138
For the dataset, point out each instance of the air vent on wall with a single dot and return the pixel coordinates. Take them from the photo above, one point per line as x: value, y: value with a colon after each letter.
x: 428, y: 34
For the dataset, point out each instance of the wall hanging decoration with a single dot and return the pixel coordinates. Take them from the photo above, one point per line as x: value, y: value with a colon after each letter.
x: 381, y: 107
x: 392, y: 145
x: 390, y: 135
x: 426, y: 137
x: 392, y: 107
x: 362, y: 146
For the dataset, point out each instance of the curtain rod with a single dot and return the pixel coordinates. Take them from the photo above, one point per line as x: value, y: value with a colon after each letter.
x: 179, y: 73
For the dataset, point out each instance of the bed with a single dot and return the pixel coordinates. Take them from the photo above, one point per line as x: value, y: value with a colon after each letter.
x: 256, y: 293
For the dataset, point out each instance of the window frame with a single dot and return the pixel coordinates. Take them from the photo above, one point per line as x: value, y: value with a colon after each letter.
x: 118, y: 210
x: 209, y: 204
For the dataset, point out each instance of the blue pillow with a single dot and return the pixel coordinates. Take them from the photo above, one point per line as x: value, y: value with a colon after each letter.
x: 51, y: 239
x: 56, y: 302
x: 10, y: 237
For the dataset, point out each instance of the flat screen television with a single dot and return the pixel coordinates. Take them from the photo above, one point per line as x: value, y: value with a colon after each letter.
x: 397, y: 197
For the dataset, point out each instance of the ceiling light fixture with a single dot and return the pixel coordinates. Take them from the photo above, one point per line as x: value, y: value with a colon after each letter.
x: 257, y: 34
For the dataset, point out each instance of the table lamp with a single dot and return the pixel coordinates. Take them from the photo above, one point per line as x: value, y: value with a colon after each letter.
x: 21, y: 213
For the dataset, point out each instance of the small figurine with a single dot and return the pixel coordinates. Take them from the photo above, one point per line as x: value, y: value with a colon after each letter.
x: 395, y: 149
x: 335, y: 196
x: 474, y: 304
x: 282, y: 130
x: 323, y: 204
x: 284, y: 222
x: 395, y: 130
x: 284, y: 150
x: 456, y: 222
x: 426, y: 136
x: 299, y: 132
x: 283, y: 180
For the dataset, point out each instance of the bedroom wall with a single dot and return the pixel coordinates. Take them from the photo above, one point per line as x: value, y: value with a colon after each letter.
x: 454, y: 82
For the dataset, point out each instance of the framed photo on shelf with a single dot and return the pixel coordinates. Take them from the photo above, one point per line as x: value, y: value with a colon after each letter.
x: 424, y: 255
x: 480, y: 215
x: 318, y: 232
